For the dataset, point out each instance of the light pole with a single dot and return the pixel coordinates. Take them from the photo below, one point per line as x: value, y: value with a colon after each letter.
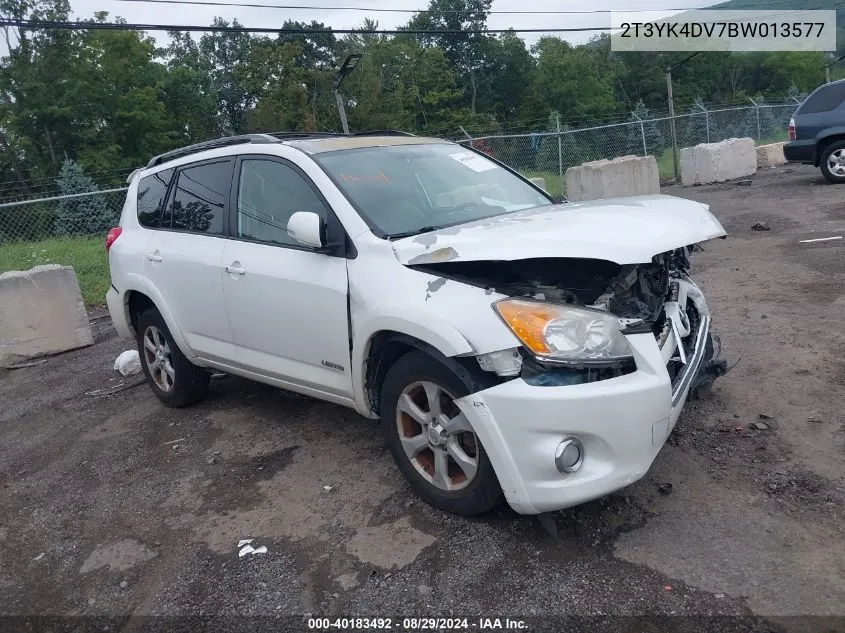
x: 344, y: 71
x: 672, y: 129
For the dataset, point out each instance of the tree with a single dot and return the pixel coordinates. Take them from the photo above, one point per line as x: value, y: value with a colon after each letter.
x: 86, y: 215
x: 465, y: 44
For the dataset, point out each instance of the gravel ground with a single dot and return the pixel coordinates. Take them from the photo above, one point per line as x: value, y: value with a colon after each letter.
x: 112, y: 505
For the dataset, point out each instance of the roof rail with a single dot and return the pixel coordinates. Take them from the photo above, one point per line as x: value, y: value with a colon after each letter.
x: 382, y: 133
x: 212, y: 144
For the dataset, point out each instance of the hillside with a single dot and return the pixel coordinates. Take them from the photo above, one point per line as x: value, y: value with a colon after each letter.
x: 791, y: 5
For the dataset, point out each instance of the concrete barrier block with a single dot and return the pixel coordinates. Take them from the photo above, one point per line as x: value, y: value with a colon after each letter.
x: 625, y: 176
x: 718, y: 162
x: 540, y: 182
x: 770, y: 155
x: 41, y: 312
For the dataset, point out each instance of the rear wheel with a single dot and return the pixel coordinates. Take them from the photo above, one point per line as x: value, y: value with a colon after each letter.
x: 833, y: 162
x: 432, y: 441
x: 172, y: 377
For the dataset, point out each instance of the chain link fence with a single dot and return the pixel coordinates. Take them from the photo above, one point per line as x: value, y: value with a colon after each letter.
x: 548, y: 154
x: 544, y: 153
x: 79, y: 214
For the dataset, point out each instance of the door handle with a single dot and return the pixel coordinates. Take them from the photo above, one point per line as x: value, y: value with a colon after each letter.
x: 154, y: 257
x: 235, y: 270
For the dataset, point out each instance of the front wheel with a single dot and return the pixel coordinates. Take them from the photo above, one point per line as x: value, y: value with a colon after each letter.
x: 432, y: 441
x: 833, y: 162
x: 173, y: 378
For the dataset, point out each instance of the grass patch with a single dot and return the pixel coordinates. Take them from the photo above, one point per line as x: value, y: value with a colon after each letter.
x: 87, y: 256
x: 554, y: 186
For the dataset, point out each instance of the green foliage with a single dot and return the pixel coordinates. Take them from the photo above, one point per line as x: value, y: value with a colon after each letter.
x: 640, y: 127
x: 87, y: 215
x: 109, y: 100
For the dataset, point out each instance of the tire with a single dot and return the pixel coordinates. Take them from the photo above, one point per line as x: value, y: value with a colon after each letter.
x: 415, y: 378
x: 834, y: 153
x: 173, y: 379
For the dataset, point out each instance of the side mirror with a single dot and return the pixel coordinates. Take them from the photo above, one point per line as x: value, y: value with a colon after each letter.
x: 306, y: 227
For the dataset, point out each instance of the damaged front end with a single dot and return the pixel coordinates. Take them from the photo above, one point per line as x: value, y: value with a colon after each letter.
x: 655, y: 297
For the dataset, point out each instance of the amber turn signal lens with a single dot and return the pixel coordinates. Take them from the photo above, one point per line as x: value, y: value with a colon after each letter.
x: 528, y: 320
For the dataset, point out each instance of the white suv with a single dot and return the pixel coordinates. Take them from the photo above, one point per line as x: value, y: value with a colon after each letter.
x: 510, y: 345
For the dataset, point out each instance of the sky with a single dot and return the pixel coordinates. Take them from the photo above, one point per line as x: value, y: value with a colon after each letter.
x: 136, y: 12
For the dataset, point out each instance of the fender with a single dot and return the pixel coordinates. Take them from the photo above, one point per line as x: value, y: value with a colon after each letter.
x: 825, y: 134
x: 143, y: 285
x: 404, y: 320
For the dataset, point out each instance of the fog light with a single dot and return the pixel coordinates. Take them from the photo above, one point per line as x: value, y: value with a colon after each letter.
x: 569, y: 456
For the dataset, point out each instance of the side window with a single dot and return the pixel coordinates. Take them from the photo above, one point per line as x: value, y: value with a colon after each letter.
x: 826, y: 99
x: 151, y: 192
x: 198, y: 203
x: 268, y: 194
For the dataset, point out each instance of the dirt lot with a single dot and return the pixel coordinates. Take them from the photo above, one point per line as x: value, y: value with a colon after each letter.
x: 114, y: 505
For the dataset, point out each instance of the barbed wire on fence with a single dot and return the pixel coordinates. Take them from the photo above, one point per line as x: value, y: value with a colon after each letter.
x: 547, y: 151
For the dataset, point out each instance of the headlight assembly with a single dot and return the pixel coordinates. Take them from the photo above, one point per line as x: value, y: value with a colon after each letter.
x: 565, y: 334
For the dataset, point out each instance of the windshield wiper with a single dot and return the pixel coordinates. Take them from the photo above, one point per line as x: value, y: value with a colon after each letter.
x: 425, y: 229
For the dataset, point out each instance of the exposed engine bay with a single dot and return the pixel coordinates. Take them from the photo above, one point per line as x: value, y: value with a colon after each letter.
x: 644, y: 297
x: 635, y: 292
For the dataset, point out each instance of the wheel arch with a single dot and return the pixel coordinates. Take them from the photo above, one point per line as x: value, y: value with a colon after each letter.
x: 140, y: 297
x: 828, y: 137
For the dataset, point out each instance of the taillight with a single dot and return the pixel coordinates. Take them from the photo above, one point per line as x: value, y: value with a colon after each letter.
x: 792, y: 135
x: 112, y: 237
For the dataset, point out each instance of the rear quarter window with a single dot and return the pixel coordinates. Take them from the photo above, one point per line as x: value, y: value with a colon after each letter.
x: 152, y: 191
x: 824, y: 100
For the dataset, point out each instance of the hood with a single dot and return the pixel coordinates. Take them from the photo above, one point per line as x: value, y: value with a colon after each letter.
x: 620, y: 230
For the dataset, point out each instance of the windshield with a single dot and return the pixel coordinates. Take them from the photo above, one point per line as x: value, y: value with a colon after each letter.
x: 409, y: 189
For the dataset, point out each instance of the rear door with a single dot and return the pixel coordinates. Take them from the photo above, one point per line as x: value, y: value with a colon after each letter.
x: 287, y: 302
x: 183, y: 258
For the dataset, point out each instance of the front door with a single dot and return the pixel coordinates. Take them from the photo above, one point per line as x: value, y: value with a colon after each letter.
x: 287, y: 303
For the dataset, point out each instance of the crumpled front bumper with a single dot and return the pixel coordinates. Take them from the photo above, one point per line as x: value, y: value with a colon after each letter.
x: 622, y: 423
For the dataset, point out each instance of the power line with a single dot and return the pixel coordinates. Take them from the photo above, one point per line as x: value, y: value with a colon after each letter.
x: 118, y: 26
x: 217, y: 3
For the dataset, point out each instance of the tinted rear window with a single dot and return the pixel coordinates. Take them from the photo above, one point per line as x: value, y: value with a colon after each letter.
x: 824, y: 100
x: 151, y: 194
x: 200, y: 200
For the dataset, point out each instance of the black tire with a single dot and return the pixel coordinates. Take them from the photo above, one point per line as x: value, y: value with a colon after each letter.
x: 482, y: 492
x: 189, y: 382
x: 836, y: 146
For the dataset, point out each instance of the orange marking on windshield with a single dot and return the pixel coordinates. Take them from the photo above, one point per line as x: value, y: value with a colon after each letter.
x: 380, y: 177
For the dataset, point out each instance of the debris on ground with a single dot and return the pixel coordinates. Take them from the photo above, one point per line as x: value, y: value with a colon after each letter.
x: 245, y: 541
x: 744, y: 183
x: 665, y: 489
x: 124, y: 584
x: 249, y: 549
x: 820, y: 239
x: 39, y: 557
x: 181, y: 439
x: 128, y: 363
x: 211, y: 460
x: 328, y: 488
x: 31, y: 363
x: 760, y: 426
x: 667, y: 587
x: 760, y: 226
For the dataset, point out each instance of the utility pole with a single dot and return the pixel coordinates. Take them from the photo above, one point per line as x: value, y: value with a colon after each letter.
x: 828, y: 66
x: 346, y: 68
x: 672, y: 128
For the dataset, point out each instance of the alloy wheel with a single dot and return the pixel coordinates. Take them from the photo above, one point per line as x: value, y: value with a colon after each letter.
x: 157, y: 357
x: 436, y: 436
x: 836, y: 162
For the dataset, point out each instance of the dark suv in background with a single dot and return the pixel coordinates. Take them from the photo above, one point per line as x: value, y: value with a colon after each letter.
x: 817, y: 131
